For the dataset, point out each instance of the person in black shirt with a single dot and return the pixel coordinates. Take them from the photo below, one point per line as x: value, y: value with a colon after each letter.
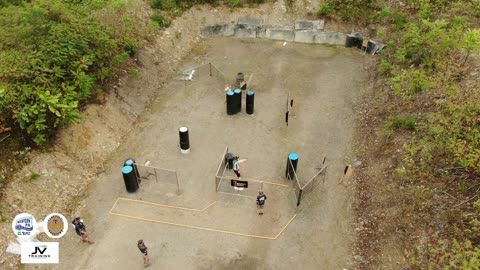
x: 261, y: 198
x: 143, y: 249
x: 81, y: 230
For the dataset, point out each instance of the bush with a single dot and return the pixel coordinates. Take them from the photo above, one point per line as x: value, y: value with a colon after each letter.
x: 157, y: 4
x: 324, y: 9
x: 55, y: 62
x: 164, y: 4
x: 161, y: 20
x: 409, y: 124
x: 385, y: 67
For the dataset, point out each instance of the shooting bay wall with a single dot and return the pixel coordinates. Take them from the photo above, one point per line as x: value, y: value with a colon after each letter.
x: 303, y: 31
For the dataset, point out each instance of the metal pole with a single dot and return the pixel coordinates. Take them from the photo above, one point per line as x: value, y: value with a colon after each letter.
x: 299, y: 197
x: 210, y: 65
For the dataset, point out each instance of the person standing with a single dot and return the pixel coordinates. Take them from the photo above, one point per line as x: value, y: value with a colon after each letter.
x: 236, y: 166
x: 143, y: 249
x: 261, y: 198
x: 81, y: 230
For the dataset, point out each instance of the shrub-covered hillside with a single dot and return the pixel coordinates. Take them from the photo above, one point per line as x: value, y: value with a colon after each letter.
x: 426, y: 117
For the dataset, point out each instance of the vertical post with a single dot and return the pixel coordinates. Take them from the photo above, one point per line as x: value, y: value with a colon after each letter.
x: 210, y: 64
x: 299, y: 197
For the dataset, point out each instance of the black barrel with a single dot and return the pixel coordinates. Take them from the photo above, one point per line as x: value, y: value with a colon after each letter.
x: 184, y: 140
x: 237, y: 100
x: 131, y: 162
x: 131, y: 183
x: 250, y: 101
x: 229, y: 160
x: 292, y: 162
x: 231, y: 109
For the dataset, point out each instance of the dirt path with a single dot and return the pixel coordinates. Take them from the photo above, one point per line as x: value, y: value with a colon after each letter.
x: 326, y: 82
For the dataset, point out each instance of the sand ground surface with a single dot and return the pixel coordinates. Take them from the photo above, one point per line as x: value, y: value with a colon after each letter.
x: 325, y: 82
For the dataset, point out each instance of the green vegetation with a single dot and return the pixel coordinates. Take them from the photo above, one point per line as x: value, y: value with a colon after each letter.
x: 55, y: 57
x: 34, y: 176
x: 398, y: 122
x: 428, y: 74
x: 324, y: 9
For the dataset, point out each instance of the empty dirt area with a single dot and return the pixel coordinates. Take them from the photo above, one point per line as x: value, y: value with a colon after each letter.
x: 197, y: 227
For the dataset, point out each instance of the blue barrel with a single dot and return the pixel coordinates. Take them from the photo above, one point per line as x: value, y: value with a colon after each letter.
x: 237, y: 100
x: 249, y: 102
x: 231, y: 109
x: 292, y: 162
x: 131, y: 183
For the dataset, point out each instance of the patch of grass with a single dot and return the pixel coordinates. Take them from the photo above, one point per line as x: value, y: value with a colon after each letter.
x: 160, y: 20
x: 409, y: 124
x: 396, y: 123
x: 234, y: 3
x: 34, y: 176
x: 134, y: 72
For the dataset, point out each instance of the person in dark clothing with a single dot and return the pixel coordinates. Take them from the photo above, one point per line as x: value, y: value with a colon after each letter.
x: 261, y: 198
x: 144, y: 250
x: 81, y: 230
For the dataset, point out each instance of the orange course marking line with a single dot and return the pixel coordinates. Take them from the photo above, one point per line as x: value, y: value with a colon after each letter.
x: 207, y: 229
x: 166, y: 205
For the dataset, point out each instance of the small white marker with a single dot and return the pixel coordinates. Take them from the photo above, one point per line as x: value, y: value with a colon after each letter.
x: 284, y: 43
